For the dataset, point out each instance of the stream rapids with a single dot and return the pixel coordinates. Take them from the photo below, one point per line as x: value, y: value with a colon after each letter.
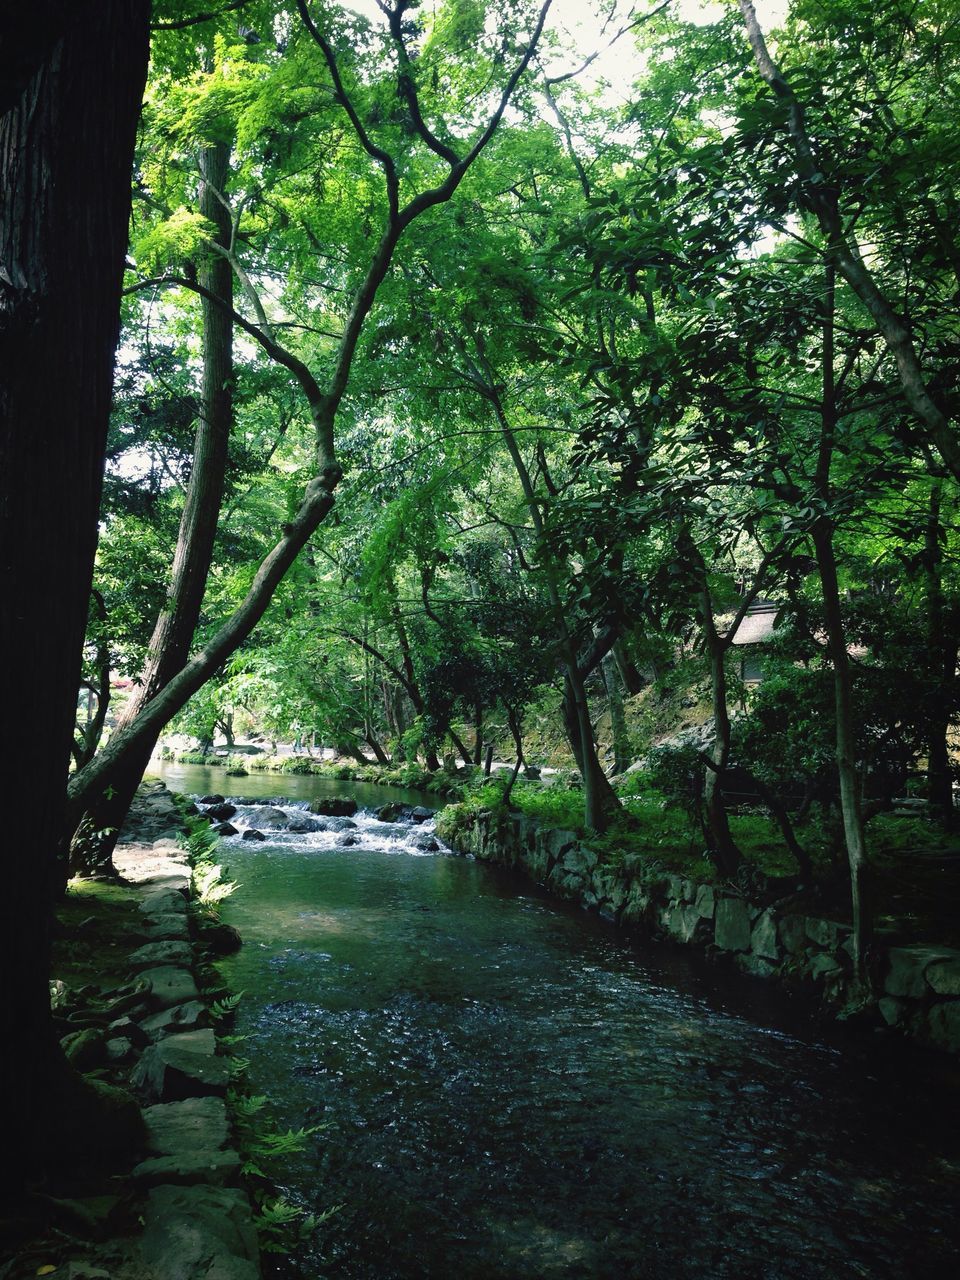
x: 508, y: 1089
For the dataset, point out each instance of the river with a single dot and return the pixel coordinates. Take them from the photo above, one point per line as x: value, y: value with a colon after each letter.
x: 512, y: 1090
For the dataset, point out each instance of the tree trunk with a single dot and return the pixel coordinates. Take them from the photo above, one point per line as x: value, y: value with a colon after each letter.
x: 728, y: 856
x: 173, y: 632
x: 618, y: 720
x: 850, y: 797
x: 600, y: 801
x: 822, y: 533
x: 66, y: 145
x: 845, y: 256
x: 942, y: 658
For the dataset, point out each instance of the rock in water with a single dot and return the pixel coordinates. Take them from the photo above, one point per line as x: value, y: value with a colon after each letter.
x: 334, y: 807
x: 221, y: 811
x: 269, y: 817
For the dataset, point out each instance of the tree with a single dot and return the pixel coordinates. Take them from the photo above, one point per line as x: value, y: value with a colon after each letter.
x: 324, y: 396
x: 66, y: 145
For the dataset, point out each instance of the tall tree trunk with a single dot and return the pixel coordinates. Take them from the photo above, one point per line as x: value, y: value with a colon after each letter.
x: 173, y: 633
x: 942, y: 651
x: 600, y: 801
x: 618, y: 720
x: 728, y: 856
x: 66, y: 144
x: 850, y: 786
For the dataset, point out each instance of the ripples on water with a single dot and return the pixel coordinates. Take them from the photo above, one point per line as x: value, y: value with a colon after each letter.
x: 513, y: 1091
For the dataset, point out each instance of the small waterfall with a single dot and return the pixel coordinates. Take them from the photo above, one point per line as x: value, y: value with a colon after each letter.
x: 289, y: 824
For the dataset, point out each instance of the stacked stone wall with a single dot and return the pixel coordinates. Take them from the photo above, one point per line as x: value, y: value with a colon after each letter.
x: 918, y: 986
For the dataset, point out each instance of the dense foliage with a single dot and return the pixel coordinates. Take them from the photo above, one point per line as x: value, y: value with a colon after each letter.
x: 658, y: 356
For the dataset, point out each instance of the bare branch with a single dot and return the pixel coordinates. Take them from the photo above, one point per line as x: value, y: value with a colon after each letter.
x: 631, y: 26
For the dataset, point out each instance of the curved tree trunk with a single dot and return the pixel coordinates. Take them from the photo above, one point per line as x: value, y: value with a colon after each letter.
x: 173, y: 632
x: 66, y: 144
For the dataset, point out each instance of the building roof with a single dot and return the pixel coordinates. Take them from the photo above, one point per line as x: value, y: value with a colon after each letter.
x: 758, y: 624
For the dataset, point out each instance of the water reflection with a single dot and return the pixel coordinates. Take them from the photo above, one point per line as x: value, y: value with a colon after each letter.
x: 514, y: 1092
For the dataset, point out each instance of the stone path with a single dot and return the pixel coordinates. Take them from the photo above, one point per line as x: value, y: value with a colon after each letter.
x: 196, y: 1227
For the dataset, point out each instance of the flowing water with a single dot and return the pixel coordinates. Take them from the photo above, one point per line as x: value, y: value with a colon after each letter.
x: 512, y: 1090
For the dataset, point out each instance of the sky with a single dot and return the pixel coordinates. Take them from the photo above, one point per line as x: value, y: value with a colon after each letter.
x: 579, y: 20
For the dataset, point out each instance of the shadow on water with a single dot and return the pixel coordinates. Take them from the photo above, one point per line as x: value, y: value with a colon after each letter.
x: 513, y: 1091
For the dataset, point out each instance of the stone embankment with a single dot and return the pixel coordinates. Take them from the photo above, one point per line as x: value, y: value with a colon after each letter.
x: 197, y: 1223
x: 918, y: 986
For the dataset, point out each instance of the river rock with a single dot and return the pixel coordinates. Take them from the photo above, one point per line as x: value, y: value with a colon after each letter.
x: 705, y: 901
x: 166, y: 927
x: 348, y: 841
x: 220, y: 938
x: 793, y: 934
x: 763, y: 939
x: 905, y: 976
x: 119, y: 1049
x: 421, y: 814
x: 733, y: 932
x: 187, y: 1168
x: 199, y: 1231
x: 942, y: 1025
x: 579, y: 860
x: 556, y: 841
x: 84, y: 1050
x: 196, y: 1124
x: 252, y: 834
x: 221, y: 811
x: 824, y: 967
x: 334, y: 806
x: 393, y: 812
x: 681, y: 922
x: 425, y: 843
x: 152, y: 954
x: 825, y: 933
x: 182, y: 1066
x: 304, y: 826
x: 165, y: 902
x: 892, y: 1011
x: 943, y: 975
x: 213, y: 799
x: 125, y: 1028
x: 225, y: 829
x: 179, y: 1017
x: 268, y: 816
x: 169, y: 986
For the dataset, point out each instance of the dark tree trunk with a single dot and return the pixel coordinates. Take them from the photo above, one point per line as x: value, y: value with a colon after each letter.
x: 172, y: 636
x: 66, y: 144
x: 374, y: 744
x: 942, y: 657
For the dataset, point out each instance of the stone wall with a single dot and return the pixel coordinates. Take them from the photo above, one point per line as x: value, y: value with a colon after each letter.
x: 919, y: 986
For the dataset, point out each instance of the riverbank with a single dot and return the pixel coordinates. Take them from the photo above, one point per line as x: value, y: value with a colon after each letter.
x: 156, y: 1192
x: 917, y: 986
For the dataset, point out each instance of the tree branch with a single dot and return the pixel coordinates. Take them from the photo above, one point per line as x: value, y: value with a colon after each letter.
x: 383, y: 158
x: 180, y: 23
x: 843, y: 249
